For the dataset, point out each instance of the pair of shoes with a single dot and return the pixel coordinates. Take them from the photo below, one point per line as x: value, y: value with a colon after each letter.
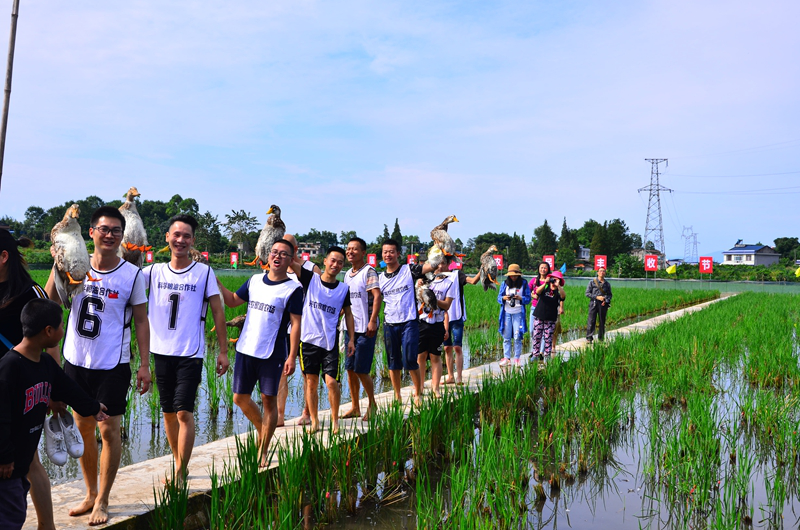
x: 517, y: 362
x: 589, y: 340
x: 62, y: 439
x: 505, y: 362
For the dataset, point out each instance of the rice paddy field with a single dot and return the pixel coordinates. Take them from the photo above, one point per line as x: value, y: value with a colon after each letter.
x: 216, y: 417
x: 693, y: 424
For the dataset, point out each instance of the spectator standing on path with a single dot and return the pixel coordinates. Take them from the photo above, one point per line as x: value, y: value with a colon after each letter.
x: 599, y: 294
x: 17, y: 289
x: 514, y: 297
x: 550, y: 295
x: 28, y: 379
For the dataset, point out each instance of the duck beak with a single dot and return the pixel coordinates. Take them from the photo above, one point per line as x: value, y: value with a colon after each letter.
x: 455, y: 219
x: 269, y: 211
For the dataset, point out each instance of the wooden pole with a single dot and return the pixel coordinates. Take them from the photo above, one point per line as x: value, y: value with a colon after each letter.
x: 7, y: 96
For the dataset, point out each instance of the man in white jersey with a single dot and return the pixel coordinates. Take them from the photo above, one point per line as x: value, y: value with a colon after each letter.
x: 273, y: 301
x: 326, y: 298
x: 401, y: 327
x: 365, y: 303
x: 97, y: 353
x: 180, y: 293
x: 433, y: 327
x: 457, y: 315
x: 283, y: 390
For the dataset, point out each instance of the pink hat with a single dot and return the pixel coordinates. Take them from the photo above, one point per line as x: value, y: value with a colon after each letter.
x: 557, y: 274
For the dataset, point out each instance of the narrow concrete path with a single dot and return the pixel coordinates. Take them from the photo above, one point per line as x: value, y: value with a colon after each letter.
x: 132, y: 495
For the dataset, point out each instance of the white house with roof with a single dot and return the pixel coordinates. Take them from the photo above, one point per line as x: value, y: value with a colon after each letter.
x: 743, y: 254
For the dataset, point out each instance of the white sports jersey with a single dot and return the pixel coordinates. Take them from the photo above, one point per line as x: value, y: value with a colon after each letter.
x: 321, y: 313
x: 442, y: 288
x: 98, y: 334
x: 458, y: 309
x: 359, y: 298
x: 399, y: 296
x: 265, y: 309
x: 177, y: 308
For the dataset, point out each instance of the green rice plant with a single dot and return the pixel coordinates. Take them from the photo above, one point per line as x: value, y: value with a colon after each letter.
x: 170, y: 504
x: 213, y: 385
x: 154, y: 405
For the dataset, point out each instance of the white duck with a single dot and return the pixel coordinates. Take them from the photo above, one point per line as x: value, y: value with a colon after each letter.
x: 71, y: 259
x: 134, y: 240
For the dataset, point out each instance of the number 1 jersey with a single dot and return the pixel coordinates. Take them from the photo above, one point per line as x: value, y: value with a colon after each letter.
x: 177, y: 308
x: 98, y: 334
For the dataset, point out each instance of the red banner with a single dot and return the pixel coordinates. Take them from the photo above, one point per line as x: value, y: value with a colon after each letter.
x: 411, y: 259
x: 550, y: 260
x: 600, y: 261
x: 498, y: 258
x: 372, y: 260
x: 651, y: 262
x: 234, y: 258
x: 148, y: 257
x: 306, y: 256
x: 205, y: 255
x: 706, y: 265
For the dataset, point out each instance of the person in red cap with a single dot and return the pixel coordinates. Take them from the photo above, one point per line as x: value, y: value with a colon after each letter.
x: 550, y: 295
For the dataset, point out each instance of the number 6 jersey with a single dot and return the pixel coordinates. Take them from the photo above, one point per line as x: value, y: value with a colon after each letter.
x: 98, y: 334
x: 178, y: 303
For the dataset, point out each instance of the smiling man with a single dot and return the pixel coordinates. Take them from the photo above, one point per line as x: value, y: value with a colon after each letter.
x: 180, y: 293
x: 326, y: 298
x: 97, y: 351
x: 273, y: 302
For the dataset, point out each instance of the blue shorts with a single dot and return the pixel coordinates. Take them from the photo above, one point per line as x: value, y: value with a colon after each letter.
x: 249, y: 370
x: 455, y: 335
x: 401, y: 342
x: 13, y: 502
x: 361, y: 362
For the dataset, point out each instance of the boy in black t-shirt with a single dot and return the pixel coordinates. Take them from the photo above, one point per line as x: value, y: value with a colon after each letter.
x: 28, y: 380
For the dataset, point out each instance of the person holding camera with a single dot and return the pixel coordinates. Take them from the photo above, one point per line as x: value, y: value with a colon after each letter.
x: 514, y: 297
x: 550, y: 296
x: 599, y: 294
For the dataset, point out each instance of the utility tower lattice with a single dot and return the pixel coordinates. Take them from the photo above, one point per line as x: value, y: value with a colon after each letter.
x: 654, y: 226
x: 690, y: 245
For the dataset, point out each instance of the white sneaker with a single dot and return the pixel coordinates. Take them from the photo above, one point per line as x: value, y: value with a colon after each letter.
x: 54, y: 444
x: 504, y: 362
x: 72, y: 435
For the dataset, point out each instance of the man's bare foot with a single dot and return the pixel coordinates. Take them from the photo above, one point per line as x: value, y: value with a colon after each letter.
x: 352, y: 413
x: 99, y: 514
x: 417, y: 399
x: 85, y: 506
x: 370, y: 411
x: 335, y: 427
x: 449, y: 381
x: 437, y: 393
x: 312, y: 427
x: 304, y: 420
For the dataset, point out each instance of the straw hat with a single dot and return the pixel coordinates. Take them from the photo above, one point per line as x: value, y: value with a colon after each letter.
x: 557, y: 274
x: 514, y: 270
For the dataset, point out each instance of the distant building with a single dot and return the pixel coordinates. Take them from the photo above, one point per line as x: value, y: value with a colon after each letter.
x: 583, y: 253
x: 313, y: 249
x: 742, y: 254
x: 640, y: 253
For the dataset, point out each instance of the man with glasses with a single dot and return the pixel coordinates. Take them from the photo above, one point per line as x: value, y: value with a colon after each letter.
x: 273, y: 302
x: 97, y: 353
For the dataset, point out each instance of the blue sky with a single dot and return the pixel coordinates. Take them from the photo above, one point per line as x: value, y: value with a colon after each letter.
x: 349, y: 114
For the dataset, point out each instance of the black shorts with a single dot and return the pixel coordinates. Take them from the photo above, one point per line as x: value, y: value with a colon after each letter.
x: 431, y: 337
x: 109, y: 387
x: 314, y: 359
x: 177, y: 379
x: 249, y: 370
